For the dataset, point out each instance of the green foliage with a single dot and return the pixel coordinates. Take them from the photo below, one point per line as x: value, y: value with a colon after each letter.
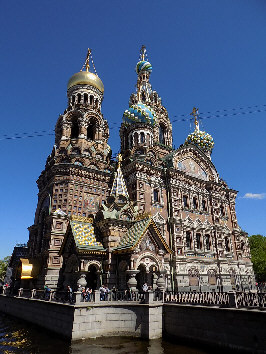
x: 3, y: 267
x: 258, y: 255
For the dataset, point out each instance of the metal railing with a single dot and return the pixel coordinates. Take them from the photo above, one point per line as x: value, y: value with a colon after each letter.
x: 198, y: 298
x: 221, y: 299
x: 229, y: 299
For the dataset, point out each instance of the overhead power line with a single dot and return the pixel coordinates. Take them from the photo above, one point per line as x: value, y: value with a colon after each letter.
x: 183, y: 118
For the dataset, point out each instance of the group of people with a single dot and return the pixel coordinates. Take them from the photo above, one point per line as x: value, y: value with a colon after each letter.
x: 104, y: 291
x: 86, y: 294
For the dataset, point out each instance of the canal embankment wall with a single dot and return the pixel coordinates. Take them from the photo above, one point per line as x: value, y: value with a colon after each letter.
x: 88, y: 320
x: 240, y: 329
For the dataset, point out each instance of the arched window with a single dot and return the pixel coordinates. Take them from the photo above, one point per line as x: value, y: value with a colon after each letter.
x: 142, y: 138
x: 148, y: 139
x: 198, y: 241
x: 91, y: 100
x: 227, y: 244
x: 91, y: 130
x: 188, y: 239
x: 79, y: 97
x: 143, y: 96
x: 185, y: 201
x: 208, y: 242
x: 75, y: 129
x: 195, y: 203
x: 204, y: 205
x: 155, y: 196
x: 222, y: 210
x: 162, y: 134
x: 73, y: 99
x: 136, y: 139
x: 96, y: 103
x: 85, y: 98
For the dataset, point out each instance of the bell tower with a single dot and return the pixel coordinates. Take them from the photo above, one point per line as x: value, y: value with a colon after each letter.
x: 146, y: 131
x: 76, y: 177
x: 146, y: 138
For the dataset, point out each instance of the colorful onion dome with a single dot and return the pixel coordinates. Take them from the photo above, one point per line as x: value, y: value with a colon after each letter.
x: 142, y: 66
x: 201, y: 139
x: 139, y: 113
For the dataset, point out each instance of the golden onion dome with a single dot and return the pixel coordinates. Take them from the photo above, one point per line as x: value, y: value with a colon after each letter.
x: 86, y: 78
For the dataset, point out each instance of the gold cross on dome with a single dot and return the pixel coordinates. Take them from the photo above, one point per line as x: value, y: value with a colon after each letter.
x: 87, y: 62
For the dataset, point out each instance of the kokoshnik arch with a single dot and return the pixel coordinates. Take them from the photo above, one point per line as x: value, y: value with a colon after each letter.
x: 159, y: 215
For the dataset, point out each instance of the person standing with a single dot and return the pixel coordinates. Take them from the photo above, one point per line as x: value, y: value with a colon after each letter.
x: 70, y: 294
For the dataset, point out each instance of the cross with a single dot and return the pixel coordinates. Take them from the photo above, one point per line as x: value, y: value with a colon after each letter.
x: 142, y: 52
x: 195, y: 114
x: 87, y: 61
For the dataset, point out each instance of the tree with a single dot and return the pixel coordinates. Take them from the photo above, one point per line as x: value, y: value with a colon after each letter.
x: 3, y: 267
x: 258, y: 255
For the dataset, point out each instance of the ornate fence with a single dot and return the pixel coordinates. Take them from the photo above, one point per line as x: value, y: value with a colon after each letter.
x: 193, y: 298
x: 250, y: 300
x: 219, y: 299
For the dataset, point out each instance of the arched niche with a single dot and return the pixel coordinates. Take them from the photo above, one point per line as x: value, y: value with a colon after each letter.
x: 91, y: 129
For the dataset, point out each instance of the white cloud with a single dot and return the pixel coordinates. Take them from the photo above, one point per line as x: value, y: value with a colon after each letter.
x: 254, y: 196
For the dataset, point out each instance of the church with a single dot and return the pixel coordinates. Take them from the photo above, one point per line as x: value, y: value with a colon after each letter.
x: 156, y: 215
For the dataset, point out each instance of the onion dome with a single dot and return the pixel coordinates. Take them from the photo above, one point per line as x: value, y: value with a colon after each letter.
x: 86, y: 77
x: 139, y: 113
x: 201, y: 139
x: 142, y: 66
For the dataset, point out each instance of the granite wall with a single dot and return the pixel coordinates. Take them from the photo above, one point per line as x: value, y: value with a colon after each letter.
x: 240, y: 329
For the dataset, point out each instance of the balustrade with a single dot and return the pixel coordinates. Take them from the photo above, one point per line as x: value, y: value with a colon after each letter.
x: 221, y: 299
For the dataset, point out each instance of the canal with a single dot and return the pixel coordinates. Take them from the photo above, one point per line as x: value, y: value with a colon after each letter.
x: 17, y: 336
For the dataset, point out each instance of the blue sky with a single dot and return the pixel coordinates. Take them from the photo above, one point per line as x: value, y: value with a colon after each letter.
x: 209, y: 54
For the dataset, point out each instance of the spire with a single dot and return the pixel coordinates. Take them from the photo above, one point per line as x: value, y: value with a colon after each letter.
x: 119, y: 186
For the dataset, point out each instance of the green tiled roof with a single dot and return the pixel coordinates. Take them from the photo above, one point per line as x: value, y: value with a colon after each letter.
x: 133, y: 235
x: 84, y: 236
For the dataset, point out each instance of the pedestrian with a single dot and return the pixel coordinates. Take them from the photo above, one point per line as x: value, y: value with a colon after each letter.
x: 145, y: 287
x: 47, y: 292
x: 102, y: 293
x: 88, y: 294
x: 70, y: 294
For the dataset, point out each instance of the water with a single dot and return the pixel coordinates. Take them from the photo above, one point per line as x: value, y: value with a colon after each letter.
x: 20, y: 337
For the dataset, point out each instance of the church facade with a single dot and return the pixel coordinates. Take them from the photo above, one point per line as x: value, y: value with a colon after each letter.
x: 157, y: 215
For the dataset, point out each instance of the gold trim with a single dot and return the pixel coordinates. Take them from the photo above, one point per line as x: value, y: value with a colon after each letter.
x: 82, y: 219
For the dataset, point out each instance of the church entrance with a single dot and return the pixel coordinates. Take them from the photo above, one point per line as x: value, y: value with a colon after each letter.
x: 91, y: 277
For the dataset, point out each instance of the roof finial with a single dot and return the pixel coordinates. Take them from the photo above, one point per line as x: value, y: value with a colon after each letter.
x: 119, y: 159
x: 142, y: 52
x: 87, y: 61
x: 195, y: 114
